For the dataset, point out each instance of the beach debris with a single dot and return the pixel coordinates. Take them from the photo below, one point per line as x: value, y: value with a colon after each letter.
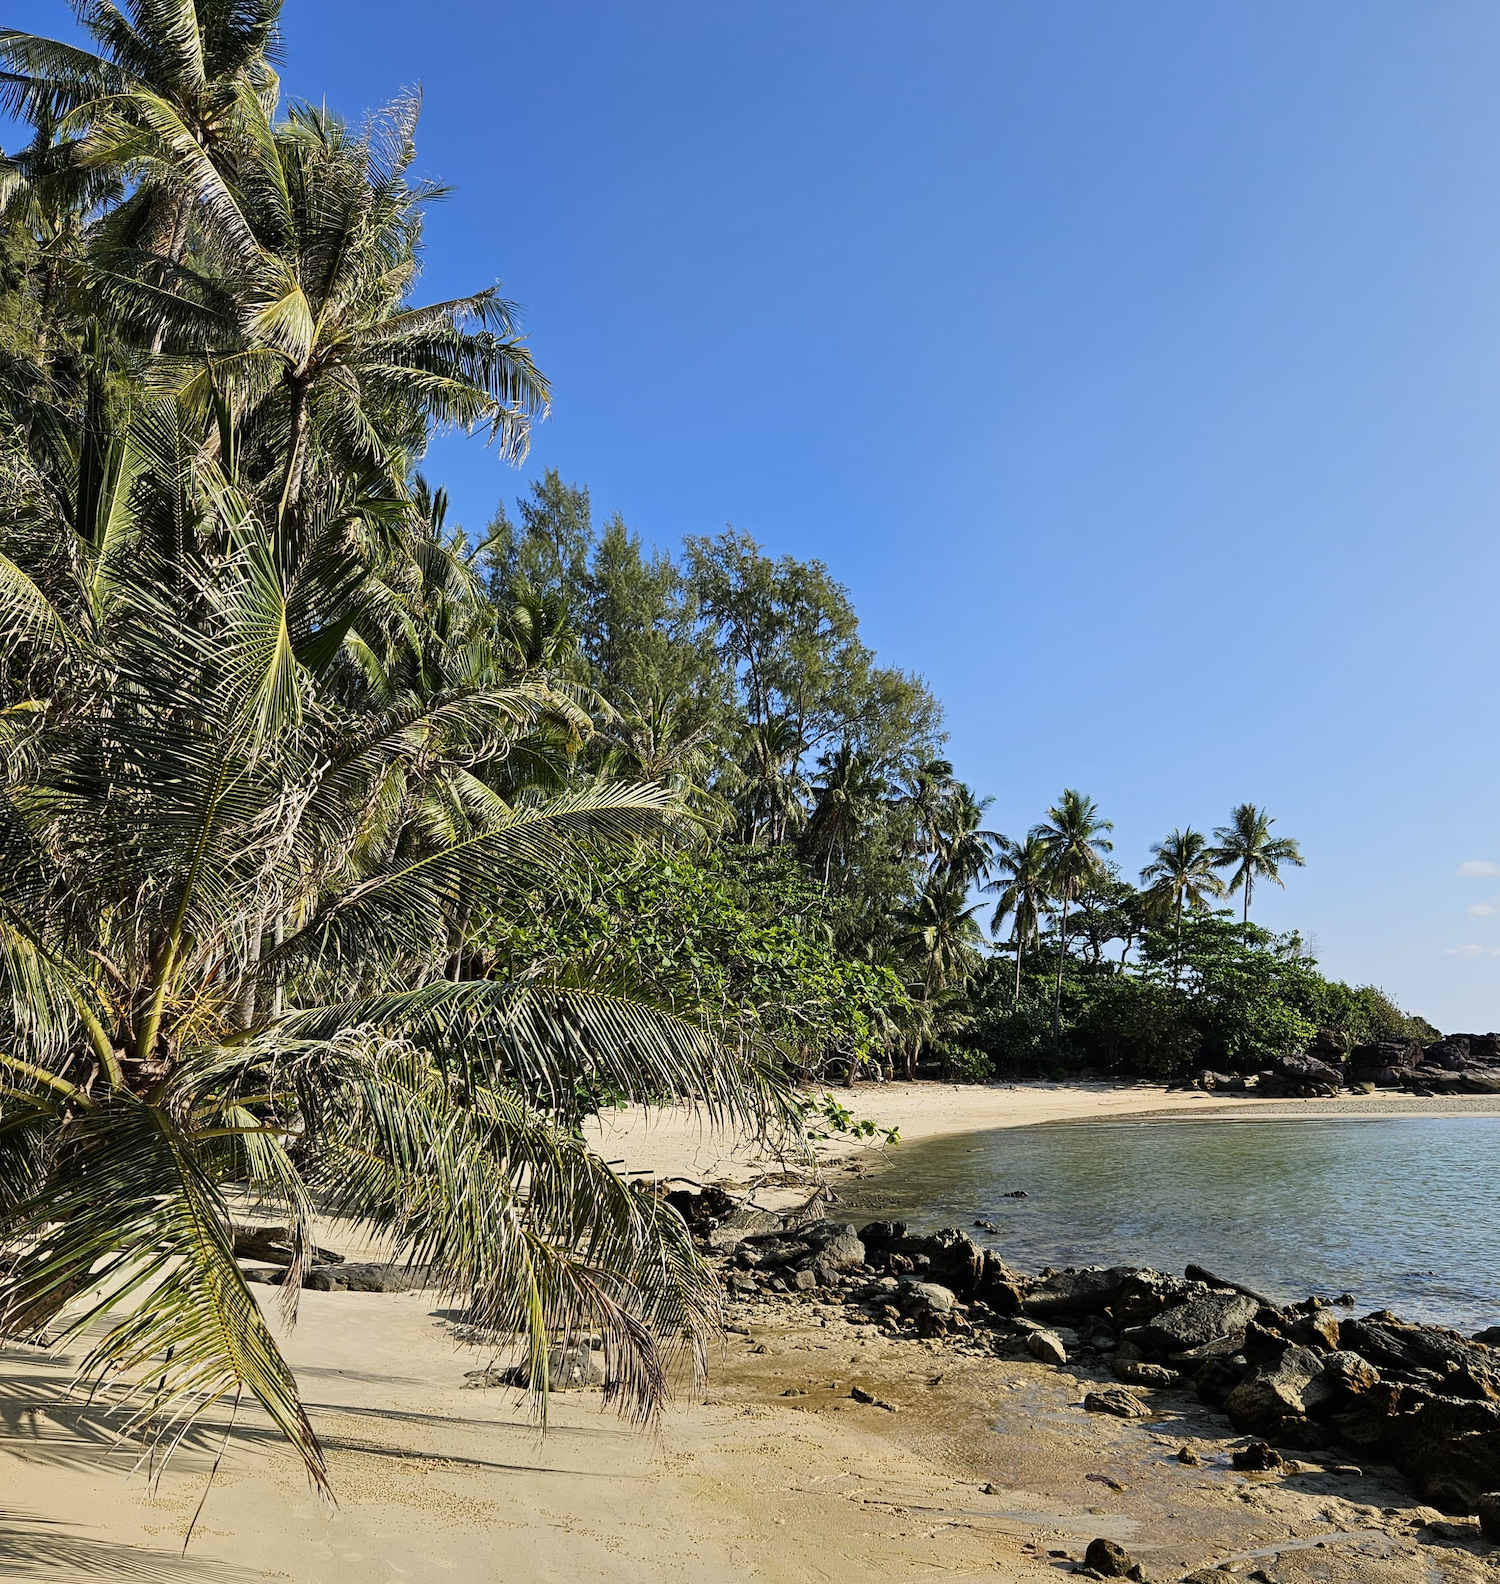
x: 1117, y: 1401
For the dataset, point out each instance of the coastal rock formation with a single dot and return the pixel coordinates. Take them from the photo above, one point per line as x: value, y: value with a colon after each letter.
x: 1300, y: 1377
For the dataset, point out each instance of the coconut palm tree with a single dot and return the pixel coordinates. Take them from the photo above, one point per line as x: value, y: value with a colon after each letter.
x: 1021, y: 894
x: 1181, y: 875
x: 848, y: 794
x: 1072, y: 836
x: 200, y: 753
x: 292, y: 308
x: 176, y: 73
x: 967, y: 851
x: 1247, y: 846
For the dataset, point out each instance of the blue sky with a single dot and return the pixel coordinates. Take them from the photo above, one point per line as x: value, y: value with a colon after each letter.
x: 1137, y: 367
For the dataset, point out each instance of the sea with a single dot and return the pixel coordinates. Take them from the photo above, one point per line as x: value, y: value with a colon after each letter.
x: 1401, y: 1212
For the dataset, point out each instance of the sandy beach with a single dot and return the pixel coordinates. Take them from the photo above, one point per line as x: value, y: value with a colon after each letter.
x: 989, y: 1470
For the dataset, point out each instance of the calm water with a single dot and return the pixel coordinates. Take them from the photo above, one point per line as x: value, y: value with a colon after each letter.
x: 1401, y: 1212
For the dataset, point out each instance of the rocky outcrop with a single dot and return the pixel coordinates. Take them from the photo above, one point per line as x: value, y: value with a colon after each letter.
x: 1299, y: 1377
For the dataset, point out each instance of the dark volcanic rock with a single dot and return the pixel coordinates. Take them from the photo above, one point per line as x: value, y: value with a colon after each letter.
x: 1145, y: 1293
x: 1293, y: 1386
x: 1136, y: 1373
x: 1078, y: 1292
x: 1109, y: 1560
x: 1117, y: 1401
x: 1449, y: 1448
x: 366, y: 1278
x: 1393, y: 1344
x: 876, y: 1235
x: 1257, y: 1458
x: 1198, y: 1321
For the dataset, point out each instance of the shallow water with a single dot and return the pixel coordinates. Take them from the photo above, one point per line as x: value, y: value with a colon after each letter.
x: 1403, y: 1212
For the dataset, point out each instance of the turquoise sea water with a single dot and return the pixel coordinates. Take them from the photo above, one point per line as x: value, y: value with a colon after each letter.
x: 1403, y: 1212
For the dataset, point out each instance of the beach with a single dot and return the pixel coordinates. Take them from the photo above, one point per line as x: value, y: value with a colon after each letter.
x: 770, y: 1472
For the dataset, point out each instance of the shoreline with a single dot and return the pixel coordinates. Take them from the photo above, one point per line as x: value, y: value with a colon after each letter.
x: 775, y: 1473
x: 678, y: 1146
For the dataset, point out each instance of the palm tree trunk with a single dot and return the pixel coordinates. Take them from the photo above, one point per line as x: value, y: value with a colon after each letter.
x: 296, y: 457
x: 1248, y: 883
x: 1177, y: 949
x: 1020, y: 947
x: 1062, y: 947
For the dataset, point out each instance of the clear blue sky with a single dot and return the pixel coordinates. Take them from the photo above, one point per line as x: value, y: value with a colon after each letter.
x: 1136, y: 366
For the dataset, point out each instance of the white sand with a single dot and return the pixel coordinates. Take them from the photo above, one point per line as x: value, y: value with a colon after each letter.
x: 440, y: 1483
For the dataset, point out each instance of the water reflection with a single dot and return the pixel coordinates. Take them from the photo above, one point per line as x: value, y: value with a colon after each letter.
x: 1400, y: 1211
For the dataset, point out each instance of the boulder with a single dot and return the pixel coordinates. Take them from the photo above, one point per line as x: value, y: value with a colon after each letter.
x: 1319, y: 1329
x: 833, y: 1247
x: 1117, y: 1401
x: 1109, y: 1560
x: 1292, y: 1386
x: 1478, y: 1081
x: 1145, y: 1293
x: 1393, y: 1344
x: 1490, y: 1336
x: 1449, y: 1448
x: 1076, y: 1292
x: 1195, y: 1322
x: 1046, y: 1346
x: 1348, y: 1375
x: 568, y: 1369
x: 1488, y: 1508
x: 273, y: 1244
x: 876, y: 1235
x: 366, y: 1278
x: 1451, y: 1053
x: 918, y: 1297
x: 1139, y: 1374
x: 1217, y: 1378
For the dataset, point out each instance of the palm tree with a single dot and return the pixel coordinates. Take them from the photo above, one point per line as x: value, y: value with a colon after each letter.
x: 925, y: 798
x: 1247, y: 846
x: 967, y: 852
x: 164, y: 72
x: 291, y: 308
x: 202, y: 754
x: 848, y: 795
x: 1073, y: 839
x: 1021, y: 883
x: 1181, y: 875
x: 938, y: 937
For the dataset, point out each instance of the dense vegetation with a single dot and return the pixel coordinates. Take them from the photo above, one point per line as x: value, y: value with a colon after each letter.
x: 350, y: 860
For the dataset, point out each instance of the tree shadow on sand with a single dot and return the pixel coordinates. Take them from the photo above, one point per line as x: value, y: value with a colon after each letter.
x: 40, y: 1551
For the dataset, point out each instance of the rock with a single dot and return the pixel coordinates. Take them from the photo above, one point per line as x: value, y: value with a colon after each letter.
x: 1139, y: 1374
x: 1291, y: 1386
x: 918, y: 1296
x: 1199, y: 1320
x: 1196, y: 1273
x: 1078, y: 1292
x: 1117, y: 1401
x: 1217, y: 1378
x: 1189, y: 1457
x: 1205, y: 1576
x: 1264, y: 1344
x: 1482, y: 1082
x: 1220, y: 1347
x: 1306, y: 1071
x: 1046, y: 1346
x: 1489, y: 1516
x: 1257, y: 1458
x: 568, y: 1369
x: 1393, y: 1344
x: 366, y: 1278
x: 1320, y: 1329
x: 877, y: 1235
x: 835, y: 1247
x: 805, y: 1280
x: 1449, y: 1448
x: 273, y: 1244
x: 1145, y: 1293
x: 1109, y: 1560
x: 1490, y: 1336
x: 1349, y: 1375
